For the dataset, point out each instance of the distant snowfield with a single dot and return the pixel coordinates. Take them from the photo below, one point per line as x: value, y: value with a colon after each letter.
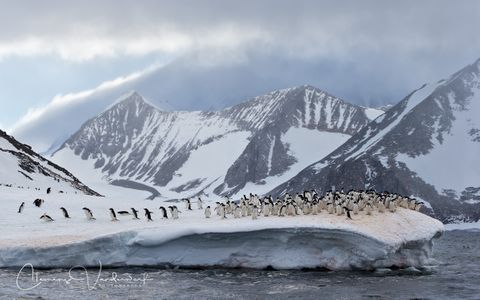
x: 458, y: 138
x: 306, y: 145
x: 403, y: 238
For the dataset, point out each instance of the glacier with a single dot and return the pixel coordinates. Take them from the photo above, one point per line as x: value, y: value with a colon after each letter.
x: 401, y: 239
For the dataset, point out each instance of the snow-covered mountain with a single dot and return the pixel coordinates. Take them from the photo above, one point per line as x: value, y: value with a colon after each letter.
x: 428, y: 146
x: 252, y: 146
x: 21, y: 167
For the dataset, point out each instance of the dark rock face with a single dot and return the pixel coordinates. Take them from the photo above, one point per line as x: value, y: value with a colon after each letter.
x: 388, y: 153
x: 29, y: 162
x: 136, y: 141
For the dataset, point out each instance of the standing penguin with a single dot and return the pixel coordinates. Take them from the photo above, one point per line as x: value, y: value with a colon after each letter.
x: 188, y: 204
x: 175, y: 212
x: 164, y: 212
x: 49, y: 190
x: 200, y: 203
x: 254, y: 212
x: 208, y: 213
x: 88, y: 214
x: 113, y: 215
x: 20, y: 209
x: 148, y: 214
x: 135, y: 213
x: 46, y: 218
x: 65, y: 212
x: 347, y: 212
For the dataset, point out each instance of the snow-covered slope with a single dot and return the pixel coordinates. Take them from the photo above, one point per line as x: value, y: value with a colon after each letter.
x: 427, y: 145
x: 20, y: 167
x: 258, y: 143
x: 402, y: 239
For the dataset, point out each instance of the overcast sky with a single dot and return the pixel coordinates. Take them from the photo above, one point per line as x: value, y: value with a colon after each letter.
x: 368, y: 52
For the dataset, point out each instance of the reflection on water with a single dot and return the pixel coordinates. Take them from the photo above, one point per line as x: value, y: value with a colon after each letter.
x: 455, y: 274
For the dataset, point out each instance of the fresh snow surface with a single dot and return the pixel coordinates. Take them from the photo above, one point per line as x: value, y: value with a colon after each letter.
x: 306, y: 145
x: 403, y: 238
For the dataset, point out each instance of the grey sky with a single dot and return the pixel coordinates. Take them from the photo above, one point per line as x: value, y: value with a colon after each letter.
x: 368, y: 52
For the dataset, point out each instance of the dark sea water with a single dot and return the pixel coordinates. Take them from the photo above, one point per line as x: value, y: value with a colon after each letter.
x: 454, y: 275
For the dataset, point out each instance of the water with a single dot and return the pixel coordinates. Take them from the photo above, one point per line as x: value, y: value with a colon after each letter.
x: 455, y: 275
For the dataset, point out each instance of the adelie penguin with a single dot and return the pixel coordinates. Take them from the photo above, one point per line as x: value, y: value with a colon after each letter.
x: 113, y: 215
x: 38, y: 202
x: 188, y: 204
x: 49, y: 190
x: 88, y: 214
x: 20, y: 209
x: 164, y: 212
x: 46, y: 218
x: 65, y: 212
x: 135, y: 213
x: 123, y: 213
x: 208, y: 213
x: 148, y: 214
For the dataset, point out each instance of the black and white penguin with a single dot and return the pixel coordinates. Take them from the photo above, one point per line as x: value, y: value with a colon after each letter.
x: 46, y: 218
x: 88, y: 213
x: 200, y: 203
x: 38, y: 202
x: 188, y: 204
x: 123, y: 213
x: 20, y: 209
x: 65, y: 212
x: 347, y: 212
x: 135, y: 213
x: 113, y: 215
x: 148, y: 214
x: 283, y: 211
x: 49, y: 190
x: 164, y: 212
x: 207, y: 212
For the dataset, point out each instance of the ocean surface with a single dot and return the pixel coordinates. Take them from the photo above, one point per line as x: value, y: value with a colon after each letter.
x: 454, y: 274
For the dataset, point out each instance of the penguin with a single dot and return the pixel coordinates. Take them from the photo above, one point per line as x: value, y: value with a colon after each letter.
x: 65, y: 212
x: 49, y: 190
x: 164, y: 212
x: 123, y: 213
x: 254, y: 212
x: 207, y: 212
x: 200, y: 203
x: 20, y: 209
x: 113, y: 215
x: 282, y: 211
x: 46, y: 218
x: 188, y: 204
x: 174, y: 211
x: 148, y: 214
x: 38, y: 202
x: 88, y: 214
x: 135, y: 213
x: 347, y: 212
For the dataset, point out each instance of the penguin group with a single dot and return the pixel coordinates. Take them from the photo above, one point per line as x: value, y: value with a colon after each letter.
x: 114, y: 215
x: 338, y: 203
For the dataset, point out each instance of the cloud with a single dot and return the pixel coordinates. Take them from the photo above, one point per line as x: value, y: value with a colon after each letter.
x: 86, y: 30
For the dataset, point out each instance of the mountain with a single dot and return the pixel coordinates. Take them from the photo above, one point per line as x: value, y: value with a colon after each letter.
x: 251, y: 146
x: 22, y: 167
x: 189, y: 83
x: 427, y: 145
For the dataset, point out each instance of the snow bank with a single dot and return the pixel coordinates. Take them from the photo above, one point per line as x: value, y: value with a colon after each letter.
x: 400, y: 239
